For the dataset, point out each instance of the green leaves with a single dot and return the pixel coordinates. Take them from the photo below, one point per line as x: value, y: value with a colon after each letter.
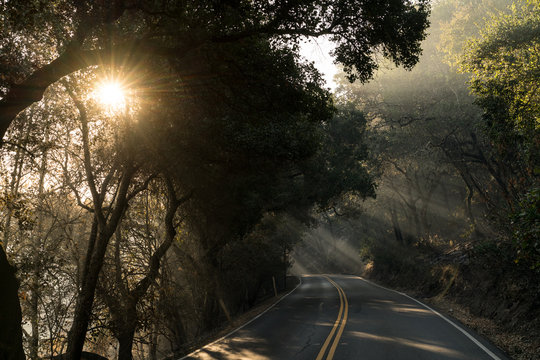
x: 505, y: 68
x: 526, y: 225
x: 340, y: 167
x: 505, y: 71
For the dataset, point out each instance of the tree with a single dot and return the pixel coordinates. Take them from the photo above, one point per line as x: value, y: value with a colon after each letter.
x: 112, y: 185
x: 460, y: 21
x: 263, y: 141
x: 123, y: 295
x: 504, y: 81
x: 340, y: 167
x: 436, y: 166
x: 504, y: 66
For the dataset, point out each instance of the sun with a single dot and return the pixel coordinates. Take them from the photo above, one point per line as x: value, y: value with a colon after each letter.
x: 111, y: 94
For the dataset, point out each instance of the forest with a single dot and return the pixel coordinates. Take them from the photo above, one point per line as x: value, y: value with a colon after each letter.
x: 165, y: 166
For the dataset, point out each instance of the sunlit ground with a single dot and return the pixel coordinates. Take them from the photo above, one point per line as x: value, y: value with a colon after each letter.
x: 419, y: 344
x: 234, y: 348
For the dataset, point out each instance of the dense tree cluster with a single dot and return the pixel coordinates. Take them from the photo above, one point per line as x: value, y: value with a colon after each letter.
x: 438, y: 141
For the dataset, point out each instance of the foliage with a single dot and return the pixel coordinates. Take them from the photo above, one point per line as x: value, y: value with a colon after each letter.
x: 504, y: 66
x: 341, y: 166
x: 526, y: 225
x: 418, y: 124
x: 236, y: 141
x: 460, y: 21
x: 125, y: 34
x: 429, y: 135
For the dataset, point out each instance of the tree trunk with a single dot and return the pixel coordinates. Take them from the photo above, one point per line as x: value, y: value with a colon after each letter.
x: 395, y: 225
x: 152, y: 352
x: 417, y: 224
x: 210, y: 311
x: 125, y: 342
x: 210, y: 308
x: 11, y: 347
x: 37, y: 243
x: 83, y: 310
x: 85, y: 301
x: 10, y: 312
x: 34, y: 316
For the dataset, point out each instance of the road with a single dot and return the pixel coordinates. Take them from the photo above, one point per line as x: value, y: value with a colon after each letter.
x: 338, y: 317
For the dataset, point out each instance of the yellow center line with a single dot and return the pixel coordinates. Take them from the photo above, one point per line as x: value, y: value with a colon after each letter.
x: 340, y: 322
x: 336, y: 324
x: 343, y: 323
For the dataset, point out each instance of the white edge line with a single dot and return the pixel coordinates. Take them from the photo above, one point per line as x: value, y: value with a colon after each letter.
x: 246, y: 324
x: 467, y: 334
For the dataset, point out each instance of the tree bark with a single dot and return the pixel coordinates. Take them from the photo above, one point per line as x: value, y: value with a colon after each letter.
x: 85, y: 301
x: 10, y: 314
x: 125, y: 342
x: 395, y: 225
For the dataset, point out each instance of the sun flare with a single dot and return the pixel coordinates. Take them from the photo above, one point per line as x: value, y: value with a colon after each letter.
x: 111, y: 94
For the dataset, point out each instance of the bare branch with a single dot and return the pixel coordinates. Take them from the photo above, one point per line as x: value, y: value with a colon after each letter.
x: 83, y: 117
x: 140, y: 188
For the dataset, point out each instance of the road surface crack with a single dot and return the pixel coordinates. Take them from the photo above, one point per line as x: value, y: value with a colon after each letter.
x: 308, y: 342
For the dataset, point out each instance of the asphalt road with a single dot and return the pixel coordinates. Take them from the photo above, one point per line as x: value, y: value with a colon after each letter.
x: 344, y: 318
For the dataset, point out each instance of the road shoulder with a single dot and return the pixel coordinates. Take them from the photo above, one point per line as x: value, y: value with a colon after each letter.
x: 238, y: 321
x: 478, y: 327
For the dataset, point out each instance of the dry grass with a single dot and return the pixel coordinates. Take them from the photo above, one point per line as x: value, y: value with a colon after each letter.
x: 522, y: 343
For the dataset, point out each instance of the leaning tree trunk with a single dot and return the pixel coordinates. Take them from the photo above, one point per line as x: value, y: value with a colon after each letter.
x: 395, y: 224
x: 85, y: 300
x: 10, y: 312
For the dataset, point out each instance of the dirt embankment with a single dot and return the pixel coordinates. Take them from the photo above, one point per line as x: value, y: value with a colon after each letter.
x: 490, y: 295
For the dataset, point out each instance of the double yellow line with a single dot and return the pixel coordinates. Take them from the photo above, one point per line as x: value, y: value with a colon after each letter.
x: 340, y: 323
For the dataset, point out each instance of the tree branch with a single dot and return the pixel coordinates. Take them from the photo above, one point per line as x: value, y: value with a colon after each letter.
x: 31, y: 90
x: 170, y: 234
x: 90, y: 179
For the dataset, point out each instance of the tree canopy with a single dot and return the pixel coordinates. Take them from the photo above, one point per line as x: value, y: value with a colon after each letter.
x: 55, y: 39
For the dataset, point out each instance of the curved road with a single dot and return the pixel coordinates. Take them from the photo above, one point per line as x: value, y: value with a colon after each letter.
x: 346, y: 317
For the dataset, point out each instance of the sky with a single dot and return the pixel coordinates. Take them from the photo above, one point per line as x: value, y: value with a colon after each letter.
x: 318, y: 51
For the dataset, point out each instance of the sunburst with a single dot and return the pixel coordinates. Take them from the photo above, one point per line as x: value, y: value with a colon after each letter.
x: 111, y: 94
